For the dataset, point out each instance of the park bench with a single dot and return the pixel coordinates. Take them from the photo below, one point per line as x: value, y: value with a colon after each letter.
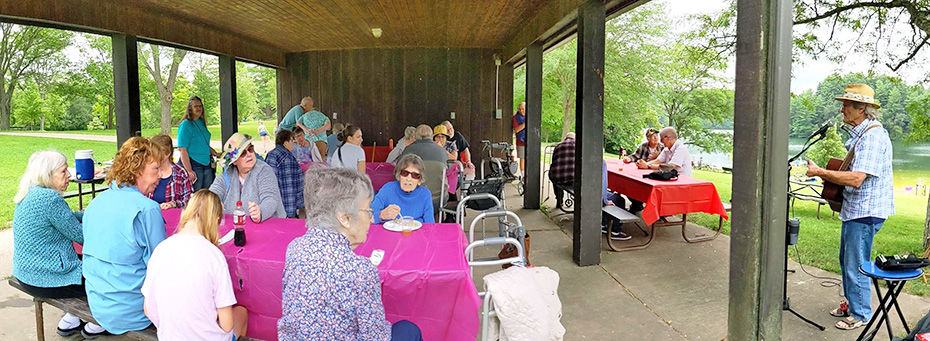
x: 78, y: 307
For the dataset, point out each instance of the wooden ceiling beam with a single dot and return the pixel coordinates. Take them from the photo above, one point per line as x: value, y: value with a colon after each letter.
x: 108, y: 17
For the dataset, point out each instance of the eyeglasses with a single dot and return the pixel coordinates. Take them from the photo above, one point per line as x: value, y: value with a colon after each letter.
x: 415, y: 176
x: 251, y: 149
x: 370, y: 211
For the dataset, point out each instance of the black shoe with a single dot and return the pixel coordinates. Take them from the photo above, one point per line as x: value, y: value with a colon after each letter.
x: 619, y: 236
x: 71, y: 331
x: 91, y: 336
x: 636, y: 208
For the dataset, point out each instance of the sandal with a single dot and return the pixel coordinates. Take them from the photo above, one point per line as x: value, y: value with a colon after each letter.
x: 849, y: 323
x: 842, y: 311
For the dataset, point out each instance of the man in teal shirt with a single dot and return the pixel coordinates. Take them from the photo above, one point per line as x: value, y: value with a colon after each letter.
x: 290, y: 119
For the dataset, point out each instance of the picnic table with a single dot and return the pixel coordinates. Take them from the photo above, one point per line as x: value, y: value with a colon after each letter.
x: 797, y: 189
x: 424, y: 277
x: 665, y: 198
x: 97, y: 180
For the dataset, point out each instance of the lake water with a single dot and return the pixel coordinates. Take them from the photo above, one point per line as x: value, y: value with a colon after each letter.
x: 907, y: 156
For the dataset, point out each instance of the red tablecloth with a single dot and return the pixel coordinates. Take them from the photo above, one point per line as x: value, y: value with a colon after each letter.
x: 424, y: 277
x: 381, y: 173
x: 663, y: 198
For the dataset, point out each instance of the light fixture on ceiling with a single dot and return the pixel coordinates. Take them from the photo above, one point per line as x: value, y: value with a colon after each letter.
x: 376, y: 32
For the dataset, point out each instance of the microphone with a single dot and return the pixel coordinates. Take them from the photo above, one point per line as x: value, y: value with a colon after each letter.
x: 822, y: 132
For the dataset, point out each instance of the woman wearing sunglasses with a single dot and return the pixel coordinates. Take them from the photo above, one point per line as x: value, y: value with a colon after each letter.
x: 249, y: 180
x: 405, y: 197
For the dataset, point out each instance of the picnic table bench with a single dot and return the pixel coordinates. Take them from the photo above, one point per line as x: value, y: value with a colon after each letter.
x: 78, y: 307
x: 815, y: 187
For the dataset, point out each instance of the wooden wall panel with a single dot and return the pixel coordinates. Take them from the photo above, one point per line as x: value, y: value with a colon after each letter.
x: 385, y: 90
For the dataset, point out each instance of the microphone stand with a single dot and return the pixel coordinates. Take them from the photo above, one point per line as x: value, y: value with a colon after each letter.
x: 786, y: 304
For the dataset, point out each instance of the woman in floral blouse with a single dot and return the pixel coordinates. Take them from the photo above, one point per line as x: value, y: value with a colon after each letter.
x: 330, y: 293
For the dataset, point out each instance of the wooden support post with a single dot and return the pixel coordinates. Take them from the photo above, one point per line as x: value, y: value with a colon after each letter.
x: 589, y: 126
x: 534, y: 79
x: 229, y: 117
x: 760, y: 202
x: 126, y: 87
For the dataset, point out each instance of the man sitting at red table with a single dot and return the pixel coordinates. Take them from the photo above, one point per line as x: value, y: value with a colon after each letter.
x: 675, y: 155
x: 287, y: 171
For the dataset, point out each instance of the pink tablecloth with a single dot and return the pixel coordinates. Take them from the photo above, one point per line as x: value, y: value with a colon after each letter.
x: 424, y: 277
x: 381, y: 173
x: 663, y: 198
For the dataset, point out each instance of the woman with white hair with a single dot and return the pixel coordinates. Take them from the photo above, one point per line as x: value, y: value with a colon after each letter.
x: 329, y: 292
x: 410, y: 135
x: 44, y: 260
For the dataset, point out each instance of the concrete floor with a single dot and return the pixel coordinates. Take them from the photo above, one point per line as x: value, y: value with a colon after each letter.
x: 671, y: 291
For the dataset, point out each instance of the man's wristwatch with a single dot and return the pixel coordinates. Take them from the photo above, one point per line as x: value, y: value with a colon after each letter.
x: 649, y: 166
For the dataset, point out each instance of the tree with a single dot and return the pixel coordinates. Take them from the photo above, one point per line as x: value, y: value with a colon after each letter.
x: 831, y: 146
x: 206, y: 85
x: 20, y: 48
x: 79, y: 114
x: 152, y: 58
x: 246, y: 99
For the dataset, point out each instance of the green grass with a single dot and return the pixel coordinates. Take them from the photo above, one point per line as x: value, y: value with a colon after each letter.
x: 15, y: 154
x: 819, y: 239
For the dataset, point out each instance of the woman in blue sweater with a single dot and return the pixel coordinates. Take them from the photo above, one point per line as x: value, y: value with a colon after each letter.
x: 405, y: 196
x: 44, y: 260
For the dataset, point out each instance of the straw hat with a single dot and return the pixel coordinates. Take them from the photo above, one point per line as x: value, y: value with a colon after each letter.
x: 440, y: 130
x: 234, y: 147
x: 860, y: 93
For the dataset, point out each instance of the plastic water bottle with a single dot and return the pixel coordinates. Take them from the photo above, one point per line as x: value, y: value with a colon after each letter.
x: 239, y: 224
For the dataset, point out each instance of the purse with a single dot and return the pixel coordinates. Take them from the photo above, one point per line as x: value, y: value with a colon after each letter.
x: 668, y: 175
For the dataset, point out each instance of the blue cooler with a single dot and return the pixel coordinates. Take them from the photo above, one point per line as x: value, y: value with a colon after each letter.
x: 84, y: 164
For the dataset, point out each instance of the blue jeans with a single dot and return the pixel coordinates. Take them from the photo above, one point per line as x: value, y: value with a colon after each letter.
x: 205, y: 176
x: 405, y: 330
x: 855, y: 249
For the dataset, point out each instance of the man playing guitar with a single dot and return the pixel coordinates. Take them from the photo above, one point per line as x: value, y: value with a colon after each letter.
x: 867, y: 198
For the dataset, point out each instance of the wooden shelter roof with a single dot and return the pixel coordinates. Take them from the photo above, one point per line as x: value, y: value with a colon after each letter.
x: 264, y: 30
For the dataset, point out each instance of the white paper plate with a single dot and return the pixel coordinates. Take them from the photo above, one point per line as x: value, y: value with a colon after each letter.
x: 391, y: 226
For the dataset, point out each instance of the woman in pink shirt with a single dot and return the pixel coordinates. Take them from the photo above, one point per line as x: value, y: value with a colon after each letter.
x: 188, y: 291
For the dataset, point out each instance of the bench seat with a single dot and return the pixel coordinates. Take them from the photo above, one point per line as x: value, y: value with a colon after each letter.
x: 78, y: 307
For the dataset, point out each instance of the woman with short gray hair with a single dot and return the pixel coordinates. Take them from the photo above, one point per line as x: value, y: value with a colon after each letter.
x: 410, y: 135
x: 322, y: 276
x: 405, y: 196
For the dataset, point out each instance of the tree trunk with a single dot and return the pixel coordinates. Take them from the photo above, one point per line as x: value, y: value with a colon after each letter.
x: 166, y: 100
x: 5, y: 98
x: 110, y: 116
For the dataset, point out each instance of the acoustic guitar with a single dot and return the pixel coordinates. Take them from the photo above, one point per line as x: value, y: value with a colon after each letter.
x: 833, y: 193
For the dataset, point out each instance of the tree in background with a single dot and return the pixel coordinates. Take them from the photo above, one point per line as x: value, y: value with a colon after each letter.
x: 831, y: 146
x: 206, y: 85
x: 21, y: 47
x: 246, y: 94
x: 152, y: 58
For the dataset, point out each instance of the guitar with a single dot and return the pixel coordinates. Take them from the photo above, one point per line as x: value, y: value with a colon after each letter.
x: 833, y: 193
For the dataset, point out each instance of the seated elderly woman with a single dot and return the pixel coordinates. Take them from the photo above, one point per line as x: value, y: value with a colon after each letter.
x: 122, y: 227
x: 405, y: 197
x: 174, y: 185
x: 329, y: 292
x: 247, y: 180
x: 44, y: 260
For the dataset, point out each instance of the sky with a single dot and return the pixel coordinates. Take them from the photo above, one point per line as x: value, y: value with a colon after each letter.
x: 806, y: 72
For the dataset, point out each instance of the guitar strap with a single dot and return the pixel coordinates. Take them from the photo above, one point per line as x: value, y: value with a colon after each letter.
x: 852, y: 151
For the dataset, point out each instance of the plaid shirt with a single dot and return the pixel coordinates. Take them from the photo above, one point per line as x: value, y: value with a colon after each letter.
x: 562, y: 170
x: 179, y: 188
x: 644, y: 151
x: 875, y: 197
x: 290, y: 178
